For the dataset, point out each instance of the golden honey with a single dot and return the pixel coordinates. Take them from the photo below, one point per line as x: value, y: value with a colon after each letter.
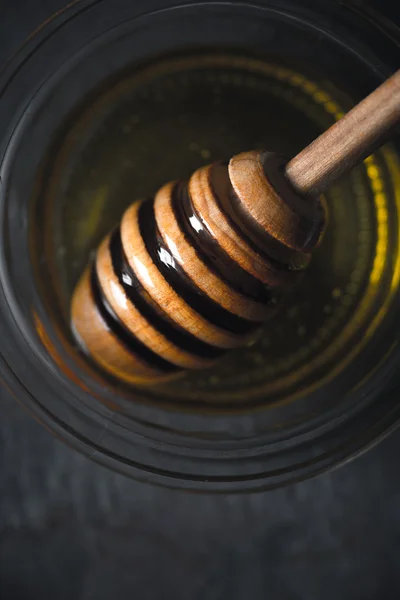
x: 162, y: 121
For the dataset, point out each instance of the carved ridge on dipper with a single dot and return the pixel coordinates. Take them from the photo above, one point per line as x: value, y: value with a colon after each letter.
x: 185, y: 277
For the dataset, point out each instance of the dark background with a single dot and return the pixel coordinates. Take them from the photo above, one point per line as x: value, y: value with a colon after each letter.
x: 71, y: 529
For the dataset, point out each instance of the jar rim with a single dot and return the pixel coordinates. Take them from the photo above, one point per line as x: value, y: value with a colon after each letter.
x: 302, y: 446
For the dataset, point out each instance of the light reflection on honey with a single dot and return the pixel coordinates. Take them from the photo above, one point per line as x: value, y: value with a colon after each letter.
x: 308, y: 345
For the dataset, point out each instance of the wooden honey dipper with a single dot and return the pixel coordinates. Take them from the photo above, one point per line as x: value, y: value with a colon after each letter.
x: 190, y: 274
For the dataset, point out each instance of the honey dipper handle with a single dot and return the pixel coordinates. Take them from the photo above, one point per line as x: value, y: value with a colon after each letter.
x: 348, y: 141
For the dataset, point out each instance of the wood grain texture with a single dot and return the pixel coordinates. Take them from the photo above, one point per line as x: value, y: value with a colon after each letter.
x: 102, y: 344
x: 188, y: 275
x: 276, y: 211
x: 137, y: 323
x: 209, y: 188
x: 162, y: 291
x: 201, y: 274
x: 348, y: 141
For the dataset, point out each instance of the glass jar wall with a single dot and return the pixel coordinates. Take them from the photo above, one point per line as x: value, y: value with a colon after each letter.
x: 108, y: 102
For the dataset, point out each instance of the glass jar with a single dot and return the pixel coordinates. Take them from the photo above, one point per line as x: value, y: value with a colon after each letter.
x: 109, y: 100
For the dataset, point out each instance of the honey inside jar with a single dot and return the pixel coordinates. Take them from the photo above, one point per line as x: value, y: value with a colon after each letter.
x: 162, y: 121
